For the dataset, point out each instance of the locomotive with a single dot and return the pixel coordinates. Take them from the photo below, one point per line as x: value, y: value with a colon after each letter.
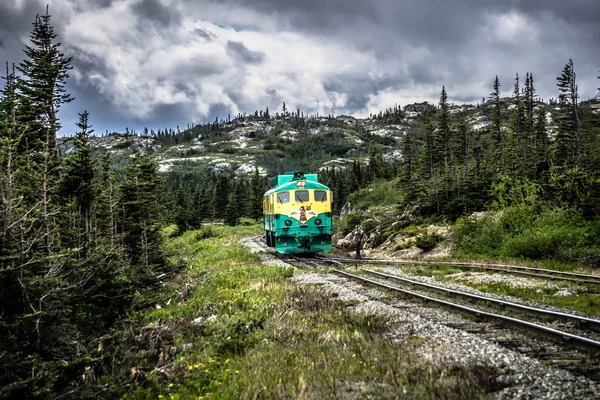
x: 297, y: 214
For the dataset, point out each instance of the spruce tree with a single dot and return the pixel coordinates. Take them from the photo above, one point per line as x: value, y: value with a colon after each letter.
x: 407, y: 164
x: 568, y: 143
x: 142, y: 211
x: 42, y: 83
x: 541, y: 142
x: 257, y: 190
x: 497, y: 151
x: 76, y: 182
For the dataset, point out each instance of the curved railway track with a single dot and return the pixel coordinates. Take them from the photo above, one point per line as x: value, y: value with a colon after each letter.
x: 569, y: 354
x: 540, y: 273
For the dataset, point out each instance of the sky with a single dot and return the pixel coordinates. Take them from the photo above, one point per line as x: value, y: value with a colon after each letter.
x: 167, y: 63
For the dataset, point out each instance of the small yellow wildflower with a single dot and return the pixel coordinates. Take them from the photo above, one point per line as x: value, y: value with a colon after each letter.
x: 206, y: 371
x: 196, y: 366
x: 353, y: 355
x: 160, y: 396
x: 226, y: 361
x: 190, y: 367
x: 237, y: 372
x: 170, y: 385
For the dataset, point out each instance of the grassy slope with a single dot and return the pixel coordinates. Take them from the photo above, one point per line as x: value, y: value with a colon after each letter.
x: 262, y: 336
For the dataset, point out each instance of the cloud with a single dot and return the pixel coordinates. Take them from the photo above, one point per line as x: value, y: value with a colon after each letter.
x: 156, y: 11
x: 238, y: 50
x: 155, y: 61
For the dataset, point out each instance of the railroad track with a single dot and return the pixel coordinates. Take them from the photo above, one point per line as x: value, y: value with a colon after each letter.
x: 575, y: 352
x: 540, y: 273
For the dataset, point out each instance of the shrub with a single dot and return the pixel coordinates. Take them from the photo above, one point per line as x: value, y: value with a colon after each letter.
x: 559, y: 234
x: 351, y: 220
x: 384, y: 193
x: 427, y: 241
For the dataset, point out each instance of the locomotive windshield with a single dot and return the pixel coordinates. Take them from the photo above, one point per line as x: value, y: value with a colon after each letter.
x: 283, y: 197
x: 301, y: 195
x: 320, y: 195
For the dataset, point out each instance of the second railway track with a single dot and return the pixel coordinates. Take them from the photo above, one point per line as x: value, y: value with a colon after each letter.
x: 540, y: 273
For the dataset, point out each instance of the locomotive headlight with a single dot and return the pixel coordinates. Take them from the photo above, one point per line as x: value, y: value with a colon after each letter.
x: 318, y: 221
x: 288, y: 222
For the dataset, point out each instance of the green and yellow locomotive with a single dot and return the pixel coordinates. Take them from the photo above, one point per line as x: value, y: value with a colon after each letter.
x: 298, y: 214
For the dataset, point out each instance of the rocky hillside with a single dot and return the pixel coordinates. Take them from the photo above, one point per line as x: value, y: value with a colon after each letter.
x: 289, y: 141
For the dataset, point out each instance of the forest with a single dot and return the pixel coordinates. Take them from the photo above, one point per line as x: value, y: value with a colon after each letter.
x: 81, y: 239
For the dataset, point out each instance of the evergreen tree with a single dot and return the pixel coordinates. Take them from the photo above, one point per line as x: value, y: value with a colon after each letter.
x: 231, y: 216
x: 517, y: 144
x: 444, y: 135
x: 220, y: 197
x: 498, y: 137
x: 429, y: 152
x: 106, y: 204
x: 257, y: 190
x: 141, y: 211
x: 76, y: 182
x: 541, y: 142
x: 42, y: 85
x: 568, y: 143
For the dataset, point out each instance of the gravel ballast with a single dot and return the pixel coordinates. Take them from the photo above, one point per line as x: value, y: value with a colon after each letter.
x: 524, y: 377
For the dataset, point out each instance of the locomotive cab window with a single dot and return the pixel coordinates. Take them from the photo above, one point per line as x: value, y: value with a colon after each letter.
x: 283, y: 197
x: 301, y: 196
x: 320, y: 195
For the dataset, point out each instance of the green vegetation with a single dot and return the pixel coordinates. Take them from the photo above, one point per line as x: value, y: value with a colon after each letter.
x: 520, y: 233
x: 583, y: 302
x: 248, y: 331
x: 384, y: 193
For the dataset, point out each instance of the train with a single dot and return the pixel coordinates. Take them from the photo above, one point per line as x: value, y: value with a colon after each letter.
x: 298, y: 214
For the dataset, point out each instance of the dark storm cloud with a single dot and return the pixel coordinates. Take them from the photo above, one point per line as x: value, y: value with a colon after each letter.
x: 218, y: 110
x: 154, y: 10
x: 238, y: 50
x: 89, y: 64
x: 380, y: 50
x: 358, y: 89
x: 202, y: 33
x: 15, y: 23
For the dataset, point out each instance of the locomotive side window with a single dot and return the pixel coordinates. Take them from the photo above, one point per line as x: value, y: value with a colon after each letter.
x: 283, y: 197
x: 301, y: 195
x: 320, y: 195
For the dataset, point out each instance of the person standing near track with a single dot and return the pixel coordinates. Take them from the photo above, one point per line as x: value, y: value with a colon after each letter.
x: 358, y: 235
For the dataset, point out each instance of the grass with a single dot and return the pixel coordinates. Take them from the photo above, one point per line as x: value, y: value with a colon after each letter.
x: 240, y: 329
x: 588, y: 303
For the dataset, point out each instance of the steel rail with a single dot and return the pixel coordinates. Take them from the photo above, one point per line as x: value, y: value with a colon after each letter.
x: 575, y: 340
x: 584, y: 321
x: 515, y: 269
